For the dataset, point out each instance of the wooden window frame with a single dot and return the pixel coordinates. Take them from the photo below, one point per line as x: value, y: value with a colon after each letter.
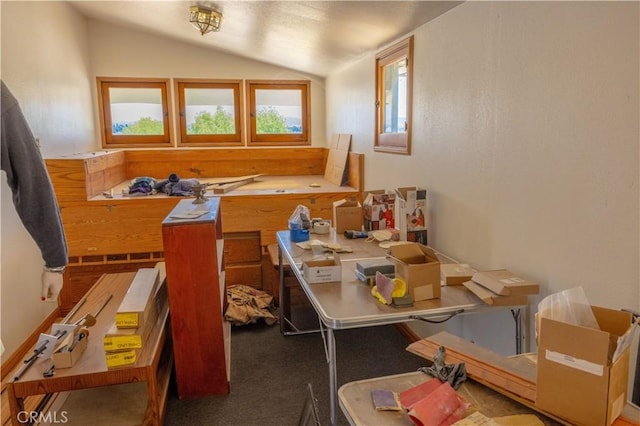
x: 303, y: 138
x: 236, y: 139
x: 109, y: 140
x: 397, y: 143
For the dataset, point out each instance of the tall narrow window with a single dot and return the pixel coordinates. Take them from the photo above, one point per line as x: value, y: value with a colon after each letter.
x: 279, y: 112
x: 134, y: 112
x: 210, y: 112
x: 394, y: 69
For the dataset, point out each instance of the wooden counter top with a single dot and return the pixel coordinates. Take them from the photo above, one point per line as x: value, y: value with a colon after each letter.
x: 263, y: 185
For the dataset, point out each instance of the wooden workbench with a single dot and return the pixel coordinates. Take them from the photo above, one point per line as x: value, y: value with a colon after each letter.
x: 122, y: 233
x: 153, y: 365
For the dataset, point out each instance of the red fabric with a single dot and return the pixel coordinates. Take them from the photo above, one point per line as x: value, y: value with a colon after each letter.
x: 411, y: 396
x: 443, y: 406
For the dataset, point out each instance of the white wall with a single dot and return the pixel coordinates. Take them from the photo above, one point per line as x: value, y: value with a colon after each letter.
x: 526, y: 136
x: 525, y: 133
x: 51, y: 68
x: 121, y: 52
x: 46, y: 66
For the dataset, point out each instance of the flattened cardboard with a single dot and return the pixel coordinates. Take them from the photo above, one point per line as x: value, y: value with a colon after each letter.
x: 419, y: 267
x: 336, y: 167
x: 491, y: 298
x: 505, y: 283
x: 455, y: 273
x: 347, y: 216
x: 583, y: 372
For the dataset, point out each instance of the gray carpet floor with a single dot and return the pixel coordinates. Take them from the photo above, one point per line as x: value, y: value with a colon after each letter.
x: 270, y: 372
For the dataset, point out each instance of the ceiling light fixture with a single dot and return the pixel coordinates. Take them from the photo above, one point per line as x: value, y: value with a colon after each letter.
x: 205, y: 20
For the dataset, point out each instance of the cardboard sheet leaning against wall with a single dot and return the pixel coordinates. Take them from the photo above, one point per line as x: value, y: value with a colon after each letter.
x: 336, y: 169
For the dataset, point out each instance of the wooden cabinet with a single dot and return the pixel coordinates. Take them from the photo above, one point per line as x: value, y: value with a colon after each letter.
x: 193, y: 250
x: 243, y: 259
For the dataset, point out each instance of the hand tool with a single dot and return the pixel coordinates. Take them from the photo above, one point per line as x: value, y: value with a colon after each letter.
x: 29, y: 362
x: 59, y: 334
x: 81, y: 335
x: 87, y: 320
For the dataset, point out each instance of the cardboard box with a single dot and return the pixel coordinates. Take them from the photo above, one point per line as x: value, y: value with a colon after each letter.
x: 118, y: 339
x: 582, y: 371
x: 347, y: 215
x: 378, y: 210
x: 411, y: 204
x: 122, y: 358
x: 455, y: 273
x: 67, y: 359
x: 491, y: 298
x: 322, y: 271
x: 136, y: 304
x: 505, y: 283
x: 419, y: 267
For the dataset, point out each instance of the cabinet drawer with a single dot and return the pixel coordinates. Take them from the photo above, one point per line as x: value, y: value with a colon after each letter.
x: 250, y: 275
x: 242, y: 247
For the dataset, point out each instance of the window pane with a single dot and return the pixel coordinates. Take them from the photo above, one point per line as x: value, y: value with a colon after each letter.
x: 278, y: 111
x: 395, y: 97
x: 136, y: 111
x: 210, y: 111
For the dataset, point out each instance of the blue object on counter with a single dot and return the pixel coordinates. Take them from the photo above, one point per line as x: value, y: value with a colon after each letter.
x: 297, y: 234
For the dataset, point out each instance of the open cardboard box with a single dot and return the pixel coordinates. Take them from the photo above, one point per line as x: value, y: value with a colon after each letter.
x: 419, y: 267
x: 583, y: 372
x: 347, y: 216
x: 67, y: 359
x: 322, y: 271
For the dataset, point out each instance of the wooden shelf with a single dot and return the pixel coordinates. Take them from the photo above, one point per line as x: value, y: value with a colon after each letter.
x: 91, y: 370
x: 194, y: 261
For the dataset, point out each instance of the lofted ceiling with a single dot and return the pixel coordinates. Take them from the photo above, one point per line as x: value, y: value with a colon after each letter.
x: 315, y: 37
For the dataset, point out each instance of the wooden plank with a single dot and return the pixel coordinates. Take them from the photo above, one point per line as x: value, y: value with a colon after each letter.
x: 355, y: 168
x: 233, y: 184
x: 481, y: 372
x: 515, y: 376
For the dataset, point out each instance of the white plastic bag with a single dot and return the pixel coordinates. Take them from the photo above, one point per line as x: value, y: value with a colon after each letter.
x: 570, y: 306
x: 299, y: 217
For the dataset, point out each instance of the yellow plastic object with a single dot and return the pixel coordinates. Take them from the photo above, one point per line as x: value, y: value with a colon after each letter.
x: 399, y: 288
x: 377, y: 295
